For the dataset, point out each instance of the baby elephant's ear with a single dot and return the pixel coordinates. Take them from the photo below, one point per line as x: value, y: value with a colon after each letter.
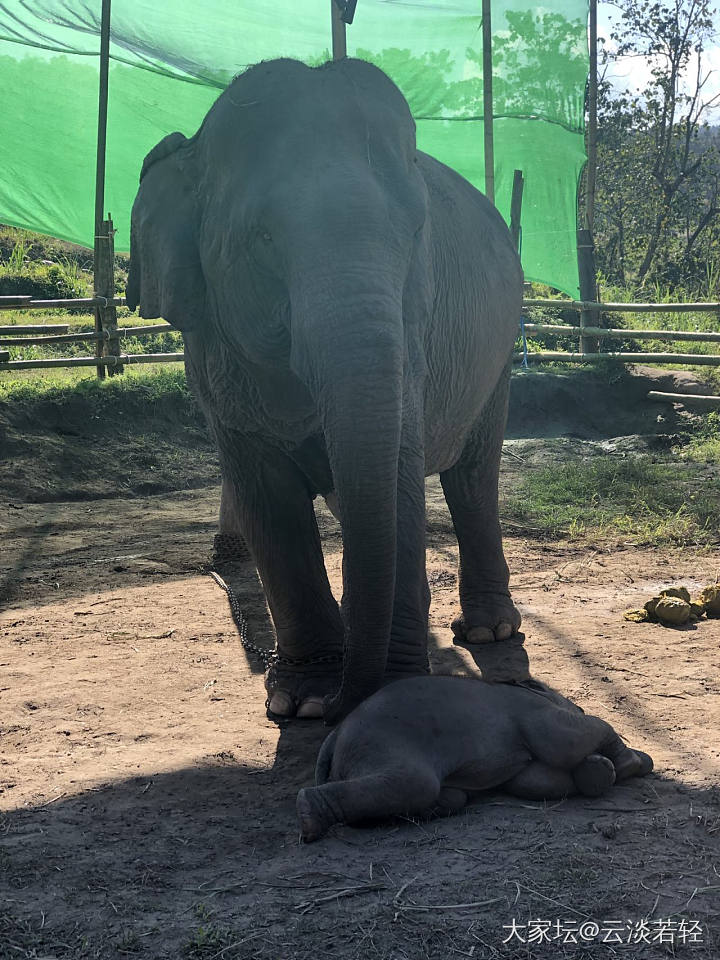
x: 166, y: 279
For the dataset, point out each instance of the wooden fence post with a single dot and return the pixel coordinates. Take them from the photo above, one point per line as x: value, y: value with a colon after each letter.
x: 516, y: 208
x: 339, y: 40
x: 588, y: 287
x: 488, y: 132
x: 106, y: 314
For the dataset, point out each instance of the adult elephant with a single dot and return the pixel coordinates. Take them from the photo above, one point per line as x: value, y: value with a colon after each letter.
x: 349, y: 307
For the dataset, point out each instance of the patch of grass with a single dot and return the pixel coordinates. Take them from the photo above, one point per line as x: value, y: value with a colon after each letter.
x: 704, y: 444
x: 41, y: 278
x: 138, y: 393
x: 210, y: 940
x: 633, y: 497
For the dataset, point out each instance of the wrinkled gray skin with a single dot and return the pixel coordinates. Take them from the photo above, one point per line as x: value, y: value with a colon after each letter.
x: 349, y: 307
x: 421, y: 746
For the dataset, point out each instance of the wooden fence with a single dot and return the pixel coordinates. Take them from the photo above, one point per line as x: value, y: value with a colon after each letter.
x: 107, y: 335
x: 584, y: 332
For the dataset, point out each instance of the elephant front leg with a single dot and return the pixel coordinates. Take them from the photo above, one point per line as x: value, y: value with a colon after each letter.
x: 229, y: 543
x: 490, y: 621
x: 407, y: 653
x: 404, y: 790
x: 278, y: 521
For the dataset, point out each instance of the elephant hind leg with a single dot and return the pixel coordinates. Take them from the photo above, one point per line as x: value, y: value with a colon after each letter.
x: 375, y: 796
x: 540, y: 781
x: 563, y: 738
x: 471, y: 492
x: 594, y: 775
x: 627, y: 762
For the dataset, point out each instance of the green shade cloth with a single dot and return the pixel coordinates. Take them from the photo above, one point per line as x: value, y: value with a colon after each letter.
x: 169, y: 61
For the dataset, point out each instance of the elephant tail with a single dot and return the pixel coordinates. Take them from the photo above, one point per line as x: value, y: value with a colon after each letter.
x: 325, y: 758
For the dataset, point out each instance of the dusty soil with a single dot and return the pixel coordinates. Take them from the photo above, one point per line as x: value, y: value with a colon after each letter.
x: 147, y: 804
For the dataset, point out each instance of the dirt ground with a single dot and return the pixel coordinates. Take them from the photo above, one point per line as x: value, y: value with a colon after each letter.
x: 147, y: 804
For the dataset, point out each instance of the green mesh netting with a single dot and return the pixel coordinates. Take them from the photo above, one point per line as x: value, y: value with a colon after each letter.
x: 171, y: 59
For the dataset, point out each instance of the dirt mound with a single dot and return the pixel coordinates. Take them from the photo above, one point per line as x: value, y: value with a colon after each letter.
x: 85, y: 443
x: 595, y: 404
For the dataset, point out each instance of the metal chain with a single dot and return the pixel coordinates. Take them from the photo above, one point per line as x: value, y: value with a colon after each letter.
x: 269, y: 658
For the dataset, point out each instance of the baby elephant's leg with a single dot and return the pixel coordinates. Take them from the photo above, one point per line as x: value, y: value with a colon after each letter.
x: 583, y: 745
x: 563, y: 738
x: 399, y: 791
x: 594, y: 775
x: 450, y: 800
x: 627, y: 762
x: 539, y: 781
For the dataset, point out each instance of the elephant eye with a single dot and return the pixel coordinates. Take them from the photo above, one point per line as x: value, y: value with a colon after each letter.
x: 266, y: 237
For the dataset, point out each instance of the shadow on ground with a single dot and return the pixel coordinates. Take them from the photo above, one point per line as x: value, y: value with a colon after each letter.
x: 205, y: 862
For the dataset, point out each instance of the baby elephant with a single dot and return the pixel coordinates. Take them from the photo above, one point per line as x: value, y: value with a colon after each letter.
x: 420, y: 745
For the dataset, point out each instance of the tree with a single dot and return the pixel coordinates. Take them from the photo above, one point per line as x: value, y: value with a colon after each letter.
x: 658, y: 186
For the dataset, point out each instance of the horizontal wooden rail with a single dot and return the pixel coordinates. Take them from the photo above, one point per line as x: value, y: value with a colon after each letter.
x: 141, y: 331
x: 561, y: 356
x: 59, y: 338
x: 13, y: 302
x: 93, y: 361
x: 33, y: 328
x: 694, y: 399
x: 603, y: 332
x: 69, y: 304
x: 593, y: 306
x: 86, y: 335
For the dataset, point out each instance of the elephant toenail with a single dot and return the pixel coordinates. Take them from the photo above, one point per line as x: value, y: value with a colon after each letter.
x: 503, y: 631
x: 282, y: 704
x: 311, y: 708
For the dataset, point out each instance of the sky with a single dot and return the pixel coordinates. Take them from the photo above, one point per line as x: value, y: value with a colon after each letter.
x: 634, y: 72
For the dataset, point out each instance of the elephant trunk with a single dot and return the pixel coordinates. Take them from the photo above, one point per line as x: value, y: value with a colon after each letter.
x: 352, y: 362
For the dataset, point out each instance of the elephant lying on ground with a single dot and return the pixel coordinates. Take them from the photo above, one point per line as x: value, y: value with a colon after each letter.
x: 421, y: 745
x: 349, y: 307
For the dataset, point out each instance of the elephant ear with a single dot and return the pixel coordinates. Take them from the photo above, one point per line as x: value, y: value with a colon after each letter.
x: 166, y: 278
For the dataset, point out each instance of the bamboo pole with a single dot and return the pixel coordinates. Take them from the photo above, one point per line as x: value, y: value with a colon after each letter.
x: 76, y: 303
x: 339, y: 38
x: 616, y: 332
x: 33, y: 328
x: 11, y: 303
x: 516, y: 208
x: 591, y: 174
x: 686, y: 359
x: 588, y: 284
x: 592, y: 305
x: 60, y: 338
x: 704, y: 402
x: 488, y: 140
x: 100, y: 251
x: 119, y: 333
x: 93, y: 361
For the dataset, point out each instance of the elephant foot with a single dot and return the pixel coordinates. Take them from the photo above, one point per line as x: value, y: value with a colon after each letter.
x: 294, y: 692
x: 499, y: 653
x: 594, y: 775
x: 314, y: 814
x: 495, y: 618
x: 634, y: 763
